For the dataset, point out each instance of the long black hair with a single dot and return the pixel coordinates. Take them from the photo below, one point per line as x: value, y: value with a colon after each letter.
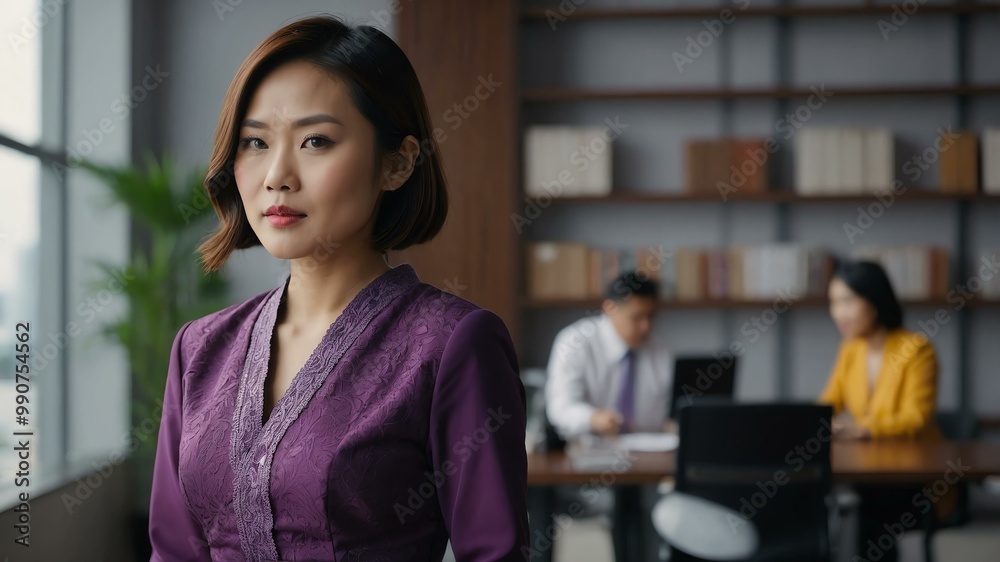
x: 869, y: 281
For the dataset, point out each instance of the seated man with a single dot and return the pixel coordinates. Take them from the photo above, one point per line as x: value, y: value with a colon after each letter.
x: 607, y: 375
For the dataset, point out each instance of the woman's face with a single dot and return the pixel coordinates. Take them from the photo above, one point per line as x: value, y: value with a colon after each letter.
x: 304, y: 145
x: 853, y: 315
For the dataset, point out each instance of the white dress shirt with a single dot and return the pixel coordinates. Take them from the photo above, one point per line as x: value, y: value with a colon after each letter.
x: 585, y: 374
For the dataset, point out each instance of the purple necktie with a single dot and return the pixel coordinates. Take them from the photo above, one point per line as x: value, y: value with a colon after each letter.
x: 626, y: 400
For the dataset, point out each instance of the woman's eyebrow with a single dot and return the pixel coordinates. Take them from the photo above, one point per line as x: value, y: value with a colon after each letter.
x: 305, y: 121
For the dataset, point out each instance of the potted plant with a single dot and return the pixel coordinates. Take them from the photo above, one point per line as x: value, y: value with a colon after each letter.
x: 165, y: 287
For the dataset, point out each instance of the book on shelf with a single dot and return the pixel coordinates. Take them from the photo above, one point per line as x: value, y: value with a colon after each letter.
x: 958, y: 162
x: 715, y: 166
x: 991, y: 161
x: 563, y: 160
x: 843, y: 160
x: 916, y: 272
x: 557, y: 270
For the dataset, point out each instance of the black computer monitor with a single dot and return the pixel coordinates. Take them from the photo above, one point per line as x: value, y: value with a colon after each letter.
x: 701, y: 378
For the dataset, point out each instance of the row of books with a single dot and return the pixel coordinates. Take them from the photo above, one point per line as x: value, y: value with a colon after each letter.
x: 843, y: 160
x: 916, y: 272
x: 572, y: 270
x: 566, y: 160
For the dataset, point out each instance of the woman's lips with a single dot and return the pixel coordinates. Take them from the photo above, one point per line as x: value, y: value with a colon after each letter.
x: 284, y: 220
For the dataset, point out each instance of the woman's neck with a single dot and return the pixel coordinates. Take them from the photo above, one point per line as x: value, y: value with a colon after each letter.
x: 322, y: 286
x: 876, y: 338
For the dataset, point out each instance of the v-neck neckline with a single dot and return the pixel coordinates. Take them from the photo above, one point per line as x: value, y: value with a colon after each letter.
x: 879, y: 376
x: 253, y: 442
x: 271, y: 328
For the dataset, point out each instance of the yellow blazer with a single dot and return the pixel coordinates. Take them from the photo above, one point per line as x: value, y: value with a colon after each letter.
x: 905, y: 394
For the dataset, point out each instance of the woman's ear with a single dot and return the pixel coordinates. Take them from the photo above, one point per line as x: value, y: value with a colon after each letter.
x: 398, y: 166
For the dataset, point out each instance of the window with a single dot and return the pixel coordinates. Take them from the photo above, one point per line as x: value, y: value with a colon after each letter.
x: 31, y: 280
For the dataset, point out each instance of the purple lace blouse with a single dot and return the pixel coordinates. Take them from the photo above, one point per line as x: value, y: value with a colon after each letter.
x: 404, y: 428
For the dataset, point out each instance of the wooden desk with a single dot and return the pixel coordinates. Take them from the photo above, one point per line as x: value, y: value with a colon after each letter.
x: 852, y: 462
x: 884, y: 462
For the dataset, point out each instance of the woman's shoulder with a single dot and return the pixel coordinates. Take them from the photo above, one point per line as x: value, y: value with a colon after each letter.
x: 910, y: 343
x: 222, y: 323
x: 447, y: 313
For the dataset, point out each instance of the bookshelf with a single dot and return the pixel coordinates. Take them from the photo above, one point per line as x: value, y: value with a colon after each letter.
x: 963, y: 94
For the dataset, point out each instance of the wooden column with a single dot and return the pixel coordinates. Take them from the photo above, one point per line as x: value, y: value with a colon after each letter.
x: 462, y: 48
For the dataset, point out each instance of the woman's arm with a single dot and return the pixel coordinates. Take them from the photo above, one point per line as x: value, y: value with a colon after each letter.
x: 477, y: 441
x: 918, y: 395
x: 174, y: 535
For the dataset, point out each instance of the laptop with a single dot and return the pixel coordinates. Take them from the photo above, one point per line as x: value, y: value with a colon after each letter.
x: 702, y: 378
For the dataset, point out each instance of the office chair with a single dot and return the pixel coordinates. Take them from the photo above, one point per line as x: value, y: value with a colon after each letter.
x: 768, y: 462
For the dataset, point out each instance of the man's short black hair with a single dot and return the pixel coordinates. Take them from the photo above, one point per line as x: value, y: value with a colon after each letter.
x: 629, y: 284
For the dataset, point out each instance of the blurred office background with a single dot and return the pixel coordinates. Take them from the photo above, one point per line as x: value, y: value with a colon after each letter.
x: 111, y: 80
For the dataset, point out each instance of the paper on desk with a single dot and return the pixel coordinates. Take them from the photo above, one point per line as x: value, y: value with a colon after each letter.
x: 648, y: 442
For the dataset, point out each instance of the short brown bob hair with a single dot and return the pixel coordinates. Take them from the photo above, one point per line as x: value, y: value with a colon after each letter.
x: 384, y: 88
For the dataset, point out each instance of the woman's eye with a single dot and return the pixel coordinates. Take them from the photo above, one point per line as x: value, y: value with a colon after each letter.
x: 317, y: 142
x: 255, y: 143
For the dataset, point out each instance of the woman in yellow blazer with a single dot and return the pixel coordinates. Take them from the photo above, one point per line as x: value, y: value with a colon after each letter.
x: 883, y: 386
x: 884, y: 382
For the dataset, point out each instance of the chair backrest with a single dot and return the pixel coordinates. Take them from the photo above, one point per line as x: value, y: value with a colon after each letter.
x: 958, y: 426
x: 769, y: 462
